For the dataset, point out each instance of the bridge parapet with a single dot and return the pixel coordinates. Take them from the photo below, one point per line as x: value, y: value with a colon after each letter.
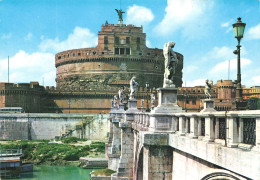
x: 233, y: 127
x: 213, y: 141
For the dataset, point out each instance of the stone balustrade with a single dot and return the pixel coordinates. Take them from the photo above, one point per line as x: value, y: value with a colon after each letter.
x: 211, y: 141
x: 233, y: 127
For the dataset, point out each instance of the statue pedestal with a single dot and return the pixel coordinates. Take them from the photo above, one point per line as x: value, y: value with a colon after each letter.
x: 132, y: 106
x: 161, y: 116
x: 167, y: 101
x: 208, y: 106
x: 122, y: 106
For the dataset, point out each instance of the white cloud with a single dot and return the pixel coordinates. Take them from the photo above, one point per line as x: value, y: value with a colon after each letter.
x: 26, y: 67
x: 222, y: 68
x: 190, y: 68
x: 80, y: 38
x: 197, y: 82
x: 219, y: 53
x: 254, y: 32
x: 222, y: 53
x: 148, y: 44
x: 229, y: 29
x: 28, y: 37
x: 225, y: 24
x: 182, y: 14
x: 138, y: 15
x: 6, y: 36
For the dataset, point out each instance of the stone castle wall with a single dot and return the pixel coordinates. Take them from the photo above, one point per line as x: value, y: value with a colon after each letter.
x: 121, y: 53
x: 26, y: 95
x: 48, y: 126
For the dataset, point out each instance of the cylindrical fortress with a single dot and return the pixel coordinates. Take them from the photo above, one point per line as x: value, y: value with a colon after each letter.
x: 121, y: 53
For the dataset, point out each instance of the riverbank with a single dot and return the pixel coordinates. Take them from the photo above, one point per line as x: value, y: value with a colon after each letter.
x: 63, y: 153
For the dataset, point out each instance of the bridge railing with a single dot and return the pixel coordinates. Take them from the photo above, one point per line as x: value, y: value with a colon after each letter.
x: 230, y: 128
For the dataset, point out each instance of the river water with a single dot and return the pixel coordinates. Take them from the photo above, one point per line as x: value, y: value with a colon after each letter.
x: 57, y: 173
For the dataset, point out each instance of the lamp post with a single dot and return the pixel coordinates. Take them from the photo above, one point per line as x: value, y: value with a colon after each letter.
x: 147, y: 105
x: 239, y: 28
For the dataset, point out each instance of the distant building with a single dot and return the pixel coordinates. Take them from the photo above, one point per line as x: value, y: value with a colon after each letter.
x: 223, y: 93
x: 254, y: 91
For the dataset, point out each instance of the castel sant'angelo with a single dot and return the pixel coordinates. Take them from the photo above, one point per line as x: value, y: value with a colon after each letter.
x: 88, y: 78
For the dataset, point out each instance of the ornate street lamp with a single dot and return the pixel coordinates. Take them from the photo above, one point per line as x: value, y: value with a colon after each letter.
x: 239, y: 28
x: 147, y: 97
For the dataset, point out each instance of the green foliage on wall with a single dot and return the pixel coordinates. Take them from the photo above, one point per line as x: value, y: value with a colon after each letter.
x: 42, y: 152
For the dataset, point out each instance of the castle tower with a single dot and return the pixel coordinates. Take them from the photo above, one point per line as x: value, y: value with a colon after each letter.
x: 120, y: 54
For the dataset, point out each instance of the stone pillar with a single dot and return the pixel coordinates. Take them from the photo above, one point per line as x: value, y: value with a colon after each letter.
x: 257, y: 128
x: 110, y: 138
x: 116, y: 143
x: 199, y: 126
x: 208, y: 106
x: 167, y: 101
x: 186, y: 125
x: 217, y: 129
x: 240, y: 130
x: 125, y: 167
x: 114, y: 155
x: 161, y: 116
x: 209, y: 128
x: 174, y: 123
x: 194, y: 126
x: 232, y: 135
x: 157, y: 162
x: 182, y: 125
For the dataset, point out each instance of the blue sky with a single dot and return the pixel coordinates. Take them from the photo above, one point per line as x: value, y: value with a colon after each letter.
x: 32, y: 32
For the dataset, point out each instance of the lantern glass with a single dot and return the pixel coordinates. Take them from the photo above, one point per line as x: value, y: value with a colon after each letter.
x: 239, y: 28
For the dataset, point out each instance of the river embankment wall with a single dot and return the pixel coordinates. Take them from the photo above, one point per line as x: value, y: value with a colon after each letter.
x: 48, y: 126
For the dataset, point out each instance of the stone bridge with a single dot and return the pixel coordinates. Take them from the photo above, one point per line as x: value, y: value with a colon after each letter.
x: 168, y: 143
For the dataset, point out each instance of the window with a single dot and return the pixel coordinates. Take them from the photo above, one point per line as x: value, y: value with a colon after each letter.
x: 117, y: 40
x: 105, y: 40
x: 73, y: 54
x: 99, y: 66
x: 148, y: 54
x: 156, y: 67
x: 127, y: 51
x: 94, y: 53
x: 122, y: 50
x: 187, y: 102
x: 138, y: 47
x: 79, y: 54
x: 127, y: 40
x: 138, y: 40
x: 116, y: 50
x: 103, y: 53
x: 193, y: 102
x: 59, y: 57
x: 87, y: 53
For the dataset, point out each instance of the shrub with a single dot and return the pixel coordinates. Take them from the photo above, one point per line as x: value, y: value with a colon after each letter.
x: 70, y: 140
